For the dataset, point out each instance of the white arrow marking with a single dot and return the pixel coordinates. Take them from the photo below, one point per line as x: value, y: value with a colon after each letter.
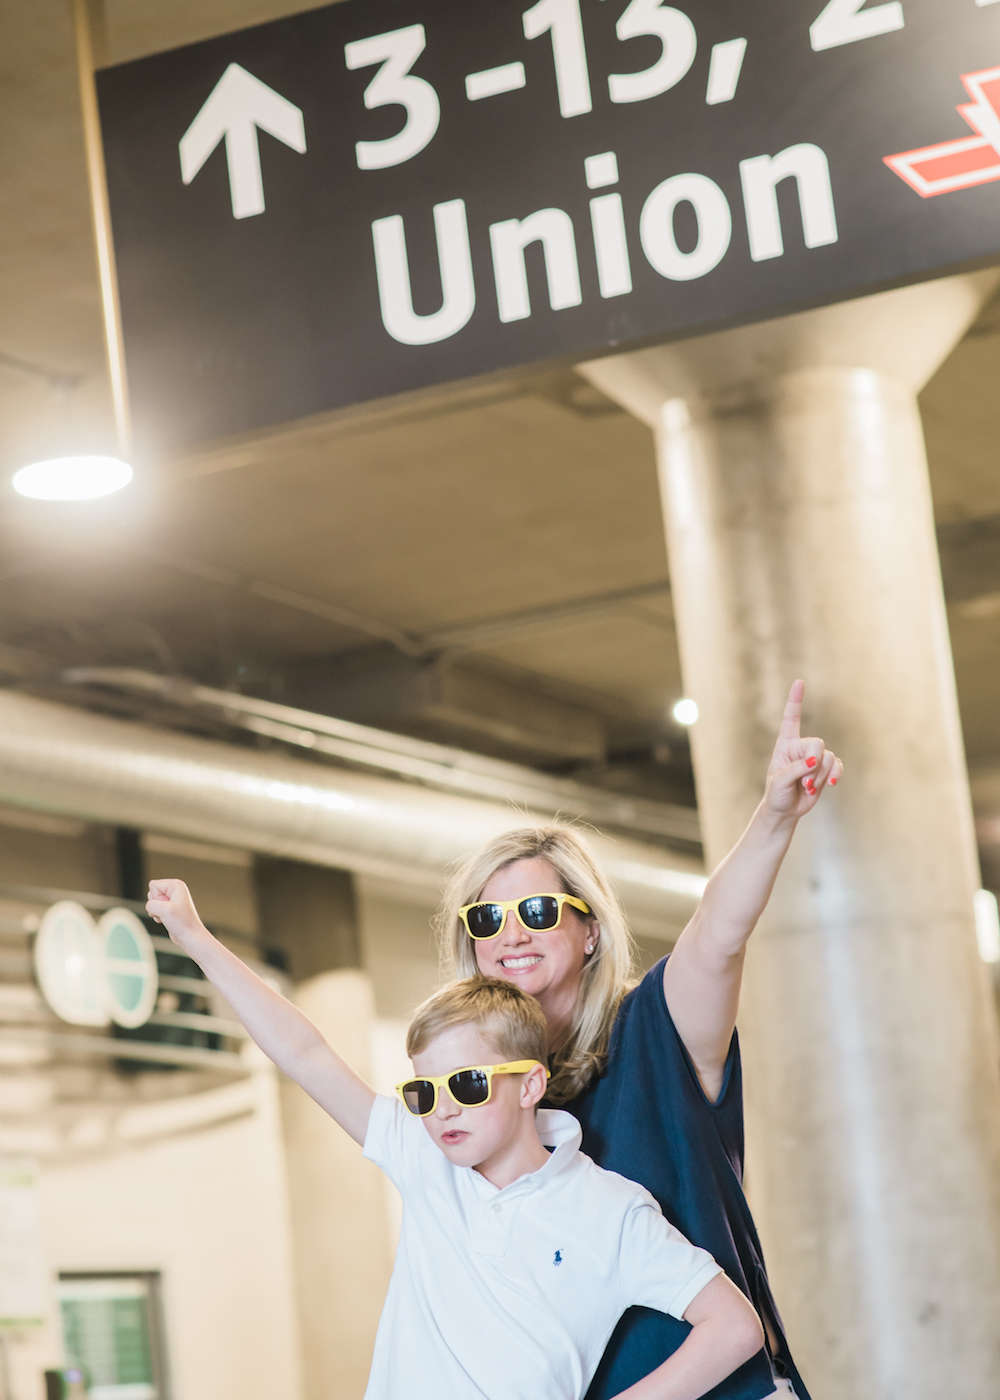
x: 237, y: 105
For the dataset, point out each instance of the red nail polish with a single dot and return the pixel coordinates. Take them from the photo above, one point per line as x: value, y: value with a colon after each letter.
x: 810, y: 787
x: 810, y: 763
x: 833, y: 782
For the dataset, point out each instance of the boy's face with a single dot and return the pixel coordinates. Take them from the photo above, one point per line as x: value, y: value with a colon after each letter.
x: 471, y: 1137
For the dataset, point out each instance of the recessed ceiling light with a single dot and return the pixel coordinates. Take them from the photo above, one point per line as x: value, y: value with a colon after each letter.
x: 72, y: 478
x: 685, y: 711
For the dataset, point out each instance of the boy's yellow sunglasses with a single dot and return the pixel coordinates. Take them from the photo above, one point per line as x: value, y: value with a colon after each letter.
x: 537, y: 912
x: 469, y: 1087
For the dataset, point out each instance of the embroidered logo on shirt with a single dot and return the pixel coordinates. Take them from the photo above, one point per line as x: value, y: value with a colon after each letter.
x: 558, y: 1259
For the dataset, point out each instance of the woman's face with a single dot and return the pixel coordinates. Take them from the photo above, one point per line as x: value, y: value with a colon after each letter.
x: 548, y: 964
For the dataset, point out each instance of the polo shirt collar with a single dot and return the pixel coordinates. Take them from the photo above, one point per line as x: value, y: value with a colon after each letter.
x: 559, y: 1130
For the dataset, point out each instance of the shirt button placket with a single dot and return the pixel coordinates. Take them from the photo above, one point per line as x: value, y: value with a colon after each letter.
x: 493, y: 1232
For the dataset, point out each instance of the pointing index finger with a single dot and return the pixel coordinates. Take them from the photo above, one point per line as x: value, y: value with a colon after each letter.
x: 791, y: 719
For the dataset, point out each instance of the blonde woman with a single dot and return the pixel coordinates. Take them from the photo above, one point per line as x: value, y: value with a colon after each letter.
x: 652, y: 1071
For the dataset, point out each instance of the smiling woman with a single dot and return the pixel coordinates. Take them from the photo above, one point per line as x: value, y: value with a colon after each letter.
x: 652, y: 1071
x: 578, y: 991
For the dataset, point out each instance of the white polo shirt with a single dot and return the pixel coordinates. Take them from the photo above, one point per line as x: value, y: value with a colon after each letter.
x: 512, y: 1294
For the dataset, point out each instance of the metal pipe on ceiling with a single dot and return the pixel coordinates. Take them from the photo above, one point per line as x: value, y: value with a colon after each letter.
x: 57, y: 759
x: 417, y: 760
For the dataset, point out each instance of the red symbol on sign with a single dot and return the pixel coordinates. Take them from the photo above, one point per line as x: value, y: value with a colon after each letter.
x: 971, y: 160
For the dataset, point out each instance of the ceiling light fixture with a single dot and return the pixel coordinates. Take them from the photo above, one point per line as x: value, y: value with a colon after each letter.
x: 72, y: 478
x: 685, y: 712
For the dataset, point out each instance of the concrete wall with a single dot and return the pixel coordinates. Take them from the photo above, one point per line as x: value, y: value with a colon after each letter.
x: 208, y: 1209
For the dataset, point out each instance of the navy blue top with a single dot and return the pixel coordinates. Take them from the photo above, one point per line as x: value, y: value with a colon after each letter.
x: 647, y: 1117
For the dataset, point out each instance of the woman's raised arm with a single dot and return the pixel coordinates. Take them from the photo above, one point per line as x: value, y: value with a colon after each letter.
x: 702, y: 977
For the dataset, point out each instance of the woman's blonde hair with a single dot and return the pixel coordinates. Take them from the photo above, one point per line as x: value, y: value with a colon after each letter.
x: 608, y: 971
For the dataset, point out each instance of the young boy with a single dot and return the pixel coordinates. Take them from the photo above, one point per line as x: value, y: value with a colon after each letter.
x: 517, y: 1254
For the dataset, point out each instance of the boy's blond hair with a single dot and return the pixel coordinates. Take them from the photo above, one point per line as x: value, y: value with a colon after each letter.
x: 513, y: 1021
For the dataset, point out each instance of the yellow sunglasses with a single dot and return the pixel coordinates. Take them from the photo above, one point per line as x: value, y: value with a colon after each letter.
x: 469, y: 1087
x: 536, y: 913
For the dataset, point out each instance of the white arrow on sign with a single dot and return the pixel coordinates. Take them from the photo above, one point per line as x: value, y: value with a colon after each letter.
x: 237, y: 105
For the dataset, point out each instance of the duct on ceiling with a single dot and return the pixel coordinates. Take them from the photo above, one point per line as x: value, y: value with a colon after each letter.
x: 68, y: 761
x: 417, y: 760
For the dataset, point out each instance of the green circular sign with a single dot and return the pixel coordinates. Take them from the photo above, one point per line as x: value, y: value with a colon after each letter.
x: 68, y: 960
x: 129, y: 967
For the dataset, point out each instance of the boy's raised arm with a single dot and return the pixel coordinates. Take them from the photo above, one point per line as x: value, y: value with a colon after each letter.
x: 281, y: 1030
x: 725, y: 1332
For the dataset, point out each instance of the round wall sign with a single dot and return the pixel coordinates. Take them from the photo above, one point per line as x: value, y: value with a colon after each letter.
x: 68, y: 964
x: 92, y: 974
x: 129, y: 967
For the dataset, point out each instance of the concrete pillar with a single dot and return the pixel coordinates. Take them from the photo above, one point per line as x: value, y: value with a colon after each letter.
x: 801, y: 543
x: 339, y: 1229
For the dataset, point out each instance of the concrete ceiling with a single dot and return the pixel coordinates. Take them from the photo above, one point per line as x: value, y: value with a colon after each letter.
x: 484, y: 565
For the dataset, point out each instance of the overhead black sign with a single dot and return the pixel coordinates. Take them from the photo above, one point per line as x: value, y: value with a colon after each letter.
x: 373, y: 197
